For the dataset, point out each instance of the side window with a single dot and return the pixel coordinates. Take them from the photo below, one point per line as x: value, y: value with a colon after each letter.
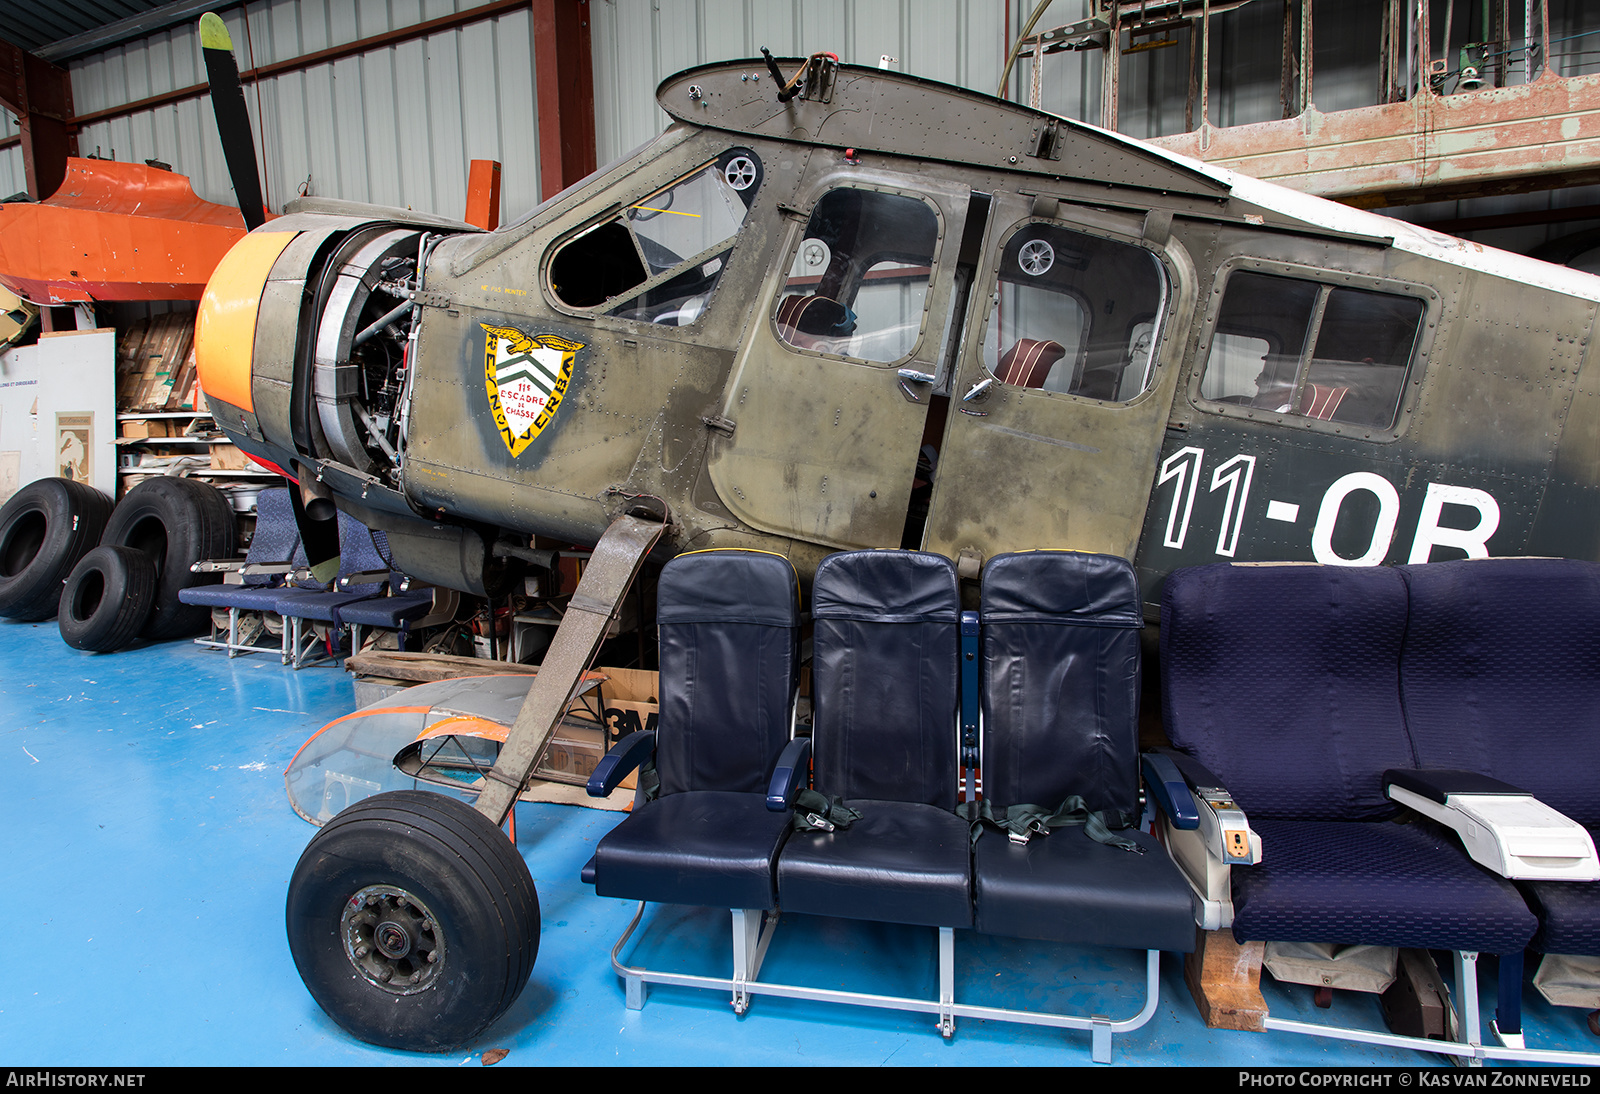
x: 858, y: 285
x: 673, y: 244
x: 1075, y: 313
x: 1312, y: 350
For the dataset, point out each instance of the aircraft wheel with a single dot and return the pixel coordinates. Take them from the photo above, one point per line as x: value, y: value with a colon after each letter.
x: 45, y: 529
x: 413, y: 921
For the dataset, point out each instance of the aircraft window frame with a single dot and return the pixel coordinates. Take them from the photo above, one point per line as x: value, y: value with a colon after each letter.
x: 1148, y: 323
x: 863, y: 269
x: 1328, y: 282
x: 712, y: 259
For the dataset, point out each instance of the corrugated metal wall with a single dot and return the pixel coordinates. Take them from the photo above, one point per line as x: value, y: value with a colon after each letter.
x: 395, y: 126
x: 638, y: 43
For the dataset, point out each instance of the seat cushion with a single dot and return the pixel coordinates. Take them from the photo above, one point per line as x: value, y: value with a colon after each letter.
x: 1569, y: 916
x: 1568, y: 911
x: 1380, y: 884
x: 901, y: 862
x: 387, y: 611
x: 707, y: 847
x: 323, y: 607
x: 232, y: 596
x: 1065, y: 887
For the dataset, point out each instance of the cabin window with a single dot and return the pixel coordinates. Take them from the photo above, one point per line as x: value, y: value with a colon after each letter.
x: 1312, y: 350
x: 673, y: 243
x: 1075, y: 313
x: 858, y: 284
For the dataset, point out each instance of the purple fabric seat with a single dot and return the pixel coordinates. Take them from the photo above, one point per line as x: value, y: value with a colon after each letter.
x: 1285, y: 681
x: 1501, y: 676
x: 276, y: 542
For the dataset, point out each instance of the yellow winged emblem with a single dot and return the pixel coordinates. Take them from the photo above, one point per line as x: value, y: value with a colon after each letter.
x: 526, y: 377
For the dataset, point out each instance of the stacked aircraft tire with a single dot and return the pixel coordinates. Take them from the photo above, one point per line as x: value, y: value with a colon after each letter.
x: 45, y: 530
x: 174, y: 523
x: 127, y: 588
x: 107, y: 599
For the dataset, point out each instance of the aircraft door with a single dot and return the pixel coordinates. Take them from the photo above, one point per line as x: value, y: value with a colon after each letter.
x: 824, y: 413
x: 1067, y: 374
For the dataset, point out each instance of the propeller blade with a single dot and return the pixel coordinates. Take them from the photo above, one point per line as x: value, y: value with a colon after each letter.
x: 233, y: 120
x: 319, y: 537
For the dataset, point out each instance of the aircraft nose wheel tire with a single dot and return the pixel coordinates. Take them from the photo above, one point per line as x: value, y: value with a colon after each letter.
x: 413, y: 921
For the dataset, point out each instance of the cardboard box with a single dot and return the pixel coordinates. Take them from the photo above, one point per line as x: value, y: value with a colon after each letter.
x: 226, y: 457
x: 143, y: 428
x: 629, y: 698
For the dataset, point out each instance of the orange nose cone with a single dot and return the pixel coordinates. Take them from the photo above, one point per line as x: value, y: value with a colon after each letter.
x: 225, y: 328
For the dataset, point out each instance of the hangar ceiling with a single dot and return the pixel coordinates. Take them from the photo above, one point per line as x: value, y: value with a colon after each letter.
x: 59, y: 30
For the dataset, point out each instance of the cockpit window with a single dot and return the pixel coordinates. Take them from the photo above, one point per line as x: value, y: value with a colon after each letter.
x: 858, y: 284
x: 1312, y: 350
x: 1075, y: 313
x: 674, y: 244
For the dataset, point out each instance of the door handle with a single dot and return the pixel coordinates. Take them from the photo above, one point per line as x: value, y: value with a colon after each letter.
x: 909, y: 376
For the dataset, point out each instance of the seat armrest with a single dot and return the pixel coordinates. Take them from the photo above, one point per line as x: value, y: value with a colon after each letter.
x: 1223, y: 827
x: 216, y: 565
x: 625, y: 756
x: 1171, y: 792
x: 1195, y: 773
x: 1439, y: 785
x: 970, y: 688
x: 1511, y: 832
x: 260, y: 569
x: 1219, y: 839
x: 790, y: 775
x: 365, y: 577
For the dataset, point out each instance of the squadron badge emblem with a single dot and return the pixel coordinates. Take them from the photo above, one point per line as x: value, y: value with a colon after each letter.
x: 526, y: 377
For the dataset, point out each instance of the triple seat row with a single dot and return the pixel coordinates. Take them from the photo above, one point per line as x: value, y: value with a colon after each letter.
x: 276, y: 577
x: 881, y: 835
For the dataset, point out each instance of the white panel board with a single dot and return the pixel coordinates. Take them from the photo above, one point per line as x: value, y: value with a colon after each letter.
x: 58, y: 410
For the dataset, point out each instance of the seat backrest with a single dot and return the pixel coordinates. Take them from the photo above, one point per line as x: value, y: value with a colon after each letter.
x: 1284, y: 680
x: 1321, y: 401
x: 729, y: 624
x: 1500, y: 674
x: 276, y: 538
x: 1028, y: 363
x: 357, y: 554
x: 814, y: 322
x: 885, y: 664
x: 1060, y: 681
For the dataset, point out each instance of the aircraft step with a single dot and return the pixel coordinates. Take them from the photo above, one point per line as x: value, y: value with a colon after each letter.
x: 616, y: 561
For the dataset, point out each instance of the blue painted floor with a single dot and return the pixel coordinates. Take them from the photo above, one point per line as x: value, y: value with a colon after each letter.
x: 149, y: 843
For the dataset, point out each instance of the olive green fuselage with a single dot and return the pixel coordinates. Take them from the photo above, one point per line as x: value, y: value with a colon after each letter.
x: 833, y: 352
